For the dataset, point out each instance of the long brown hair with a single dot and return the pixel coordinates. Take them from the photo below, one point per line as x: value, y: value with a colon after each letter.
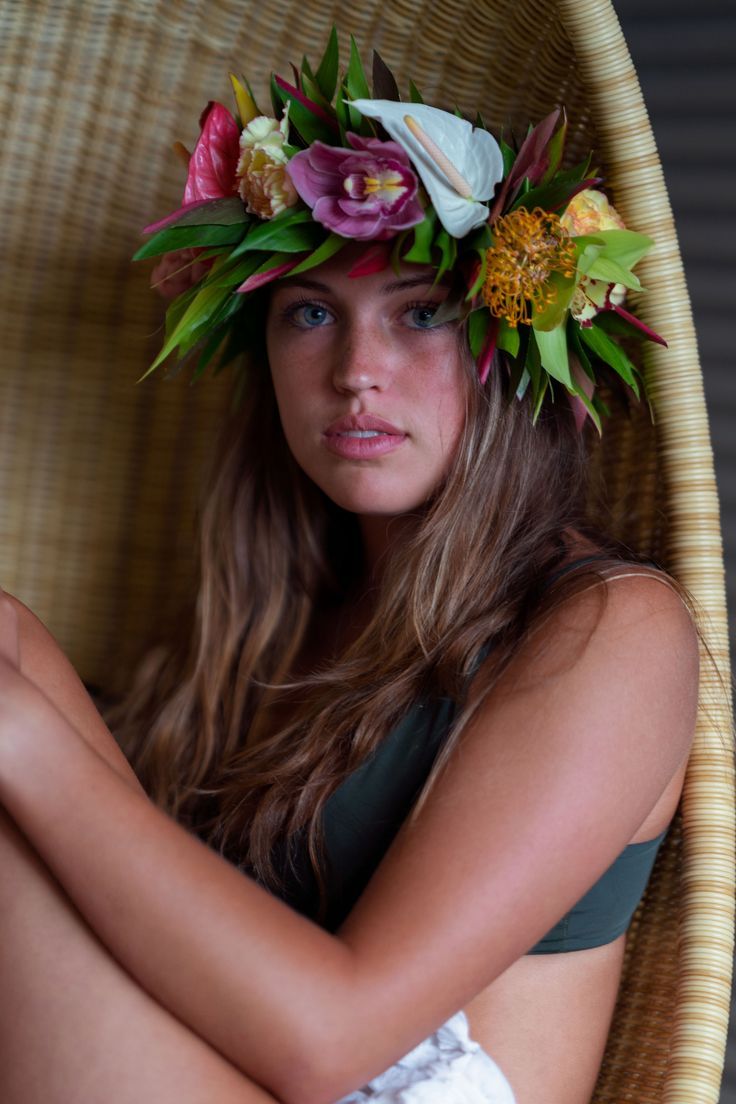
x: 275, y: 551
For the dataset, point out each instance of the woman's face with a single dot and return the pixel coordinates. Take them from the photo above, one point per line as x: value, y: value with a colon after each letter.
x: 371, y: 396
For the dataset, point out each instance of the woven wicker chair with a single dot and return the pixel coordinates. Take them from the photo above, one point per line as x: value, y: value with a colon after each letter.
x: 98, y: 475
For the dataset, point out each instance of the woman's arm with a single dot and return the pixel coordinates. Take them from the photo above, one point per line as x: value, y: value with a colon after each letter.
x: 558, y: 769
x: 42, y: 661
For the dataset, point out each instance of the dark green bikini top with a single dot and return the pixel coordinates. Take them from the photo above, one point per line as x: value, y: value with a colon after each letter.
x: 366, y: 811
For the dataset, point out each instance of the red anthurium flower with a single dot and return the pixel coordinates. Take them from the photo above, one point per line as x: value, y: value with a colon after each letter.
x: 214, y: 161
x: 532, y: 161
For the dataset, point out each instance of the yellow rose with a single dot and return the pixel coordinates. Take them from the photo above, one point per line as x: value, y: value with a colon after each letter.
x: 590, y: 211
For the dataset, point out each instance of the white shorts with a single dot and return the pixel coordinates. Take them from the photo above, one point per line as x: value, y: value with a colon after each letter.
x: 447, y: 1068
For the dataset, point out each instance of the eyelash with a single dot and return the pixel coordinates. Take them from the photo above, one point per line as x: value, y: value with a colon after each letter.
x: 288, y: 314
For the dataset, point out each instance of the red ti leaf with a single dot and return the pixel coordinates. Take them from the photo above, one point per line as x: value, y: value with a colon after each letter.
x: 214, y: 160
x: 486, y: 357
x: 258, y: 279
x: 306, y: 102
x: 375, y: 259
x: 532, y: 161
x: 634, y: 321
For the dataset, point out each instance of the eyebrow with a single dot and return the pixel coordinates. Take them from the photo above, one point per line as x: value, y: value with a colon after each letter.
x: 388, y: 289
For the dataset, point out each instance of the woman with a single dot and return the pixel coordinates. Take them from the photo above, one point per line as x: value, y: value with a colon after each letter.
x: 433, y: 564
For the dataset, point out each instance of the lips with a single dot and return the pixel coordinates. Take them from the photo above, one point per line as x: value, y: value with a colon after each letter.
x: 363, y: 422
x: 362, y: 437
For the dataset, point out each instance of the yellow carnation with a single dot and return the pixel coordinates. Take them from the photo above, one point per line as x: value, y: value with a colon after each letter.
x: 590, y: 211
x: 263, y: 183
x: 265, y: 186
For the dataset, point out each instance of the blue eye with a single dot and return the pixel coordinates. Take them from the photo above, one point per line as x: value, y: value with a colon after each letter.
x: 307, y: 315
x: 423, y: 315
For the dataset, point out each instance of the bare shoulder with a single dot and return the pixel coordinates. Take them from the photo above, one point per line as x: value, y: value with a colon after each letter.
x: 44, y: 663
x: 629, y: 633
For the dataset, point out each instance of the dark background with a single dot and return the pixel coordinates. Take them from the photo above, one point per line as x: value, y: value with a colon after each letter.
x: 684, y: 53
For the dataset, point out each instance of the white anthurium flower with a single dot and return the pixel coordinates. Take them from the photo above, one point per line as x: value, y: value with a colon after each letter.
x: 459, y: 164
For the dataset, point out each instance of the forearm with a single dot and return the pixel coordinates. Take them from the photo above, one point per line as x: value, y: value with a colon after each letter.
x: 257, y: 981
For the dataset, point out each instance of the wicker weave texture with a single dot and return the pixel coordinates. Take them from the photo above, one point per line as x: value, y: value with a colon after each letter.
x: 99, y: 475
x: 694, y: 553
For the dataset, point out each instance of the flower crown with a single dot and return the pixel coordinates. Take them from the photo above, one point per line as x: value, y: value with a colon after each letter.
x: 541, y: 260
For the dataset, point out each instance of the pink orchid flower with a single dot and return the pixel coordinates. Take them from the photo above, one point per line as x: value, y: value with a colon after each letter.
x: 368, y: 192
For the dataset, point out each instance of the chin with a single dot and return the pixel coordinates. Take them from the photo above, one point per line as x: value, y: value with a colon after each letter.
x: 376, y: 499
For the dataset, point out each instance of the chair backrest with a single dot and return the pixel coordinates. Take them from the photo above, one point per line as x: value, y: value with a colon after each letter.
x: 99, y: 475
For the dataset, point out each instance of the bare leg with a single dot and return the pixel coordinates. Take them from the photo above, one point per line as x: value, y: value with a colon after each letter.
x: 74, y: 1026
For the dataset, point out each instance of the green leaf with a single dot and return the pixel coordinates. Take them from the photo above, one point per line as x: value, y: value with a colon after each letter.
x: 539, y: 379
x: 332, y: 244
x: 556, y: 193
x: 603, y: 268
x: 234, y: 274
x: 200, y: 310
x: 590, y: 407
x: 479, y: 239
x: 508, y: 338
x: 270, y: 233
x: 552, y: 345
x: 587, y: 251
x: 312, y: 90
x: 277, y: 96
x: 533, y: 362
x: 478, y: 322
x: 448, y: 252
x: 222, y: 328
x: 309, y: 127
x: 555, y: 149
x: 517, y: 364
x: 421, y: 250
x: 612, y: 323
x: 577, y: 347
x: 176, y: 309
x: 611, y: 353
x: 626, y: 247
x: 415, y: 96
x: 479, y: 279
x: 326, y: 75
x: 188, y: 237
x: 209, y: 349
x: 554, y: 313
x: 544, y: 384
x: 226, y: 211
x: 509, y: 156
x: 356, y: 84
x: 343, y: 115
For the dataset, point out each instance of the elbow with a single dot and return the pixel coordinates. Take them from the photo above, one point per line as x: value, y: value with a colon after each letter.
x: 322, y: 1066
x: 322, y: 1077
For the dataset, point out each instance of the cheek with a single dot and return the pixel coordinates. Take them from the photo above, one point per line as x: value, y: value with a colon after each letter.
x: 447, y: 396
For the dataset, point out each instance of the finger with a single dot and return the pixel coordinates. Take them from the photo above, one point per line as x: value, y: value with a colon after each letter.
x: 9, y: 642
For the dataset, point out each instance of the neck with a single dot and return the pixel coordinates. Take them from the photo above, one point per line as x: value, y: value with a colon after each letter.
x: 381, y: 535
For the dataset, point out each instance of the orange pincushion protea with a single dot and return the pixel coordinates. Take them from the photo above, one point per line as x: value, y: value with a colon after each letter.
x: 528, y: 247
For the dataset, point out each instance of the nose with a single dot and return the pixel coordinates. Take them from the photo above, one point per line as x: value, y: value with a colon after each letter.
x: 363, y: 361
